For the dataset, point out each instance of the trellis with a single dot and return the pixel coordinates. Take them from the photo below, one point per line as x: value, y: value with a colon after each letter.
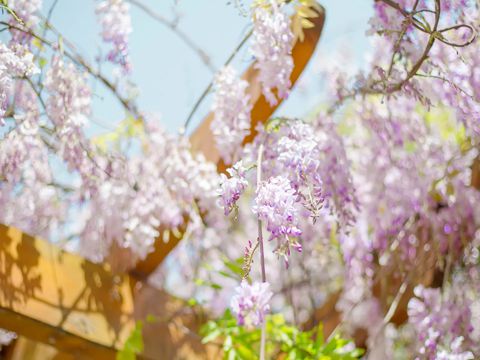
x: 63, y: 306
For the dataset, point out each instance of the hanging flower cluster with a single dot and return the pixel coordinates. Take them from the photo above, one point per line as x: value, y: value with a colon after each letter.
x: 148, y: 194
x: 233, y: 187
x: 251, y: 303
x: 15, y: 61
x: 69, y: 101
x: 276, y: 204
x: 298, y: 164
x: 231, y: 107
x: 272, y: 49
x: 68, y: 107
x: 442, y: 323
x: 114, y: 18
x: 27, y: 12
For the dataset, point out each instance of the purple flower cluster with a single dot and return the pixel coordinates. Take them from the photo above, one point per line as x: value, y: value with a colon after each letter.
x: 6, y: 337
x: 231, y: 108
x: 22, y: 150
x: 68, y: 107
x: 26, y: 10
x: 70, y: 97
x: 250, y: 304
x: 15, y: 61
x: 455, y: 352
x: 145, y: 193
x: 276, y: 203
x: 272, y: 49
x: 312, y: 159
x: 233, y: 187
x: 440, y: 320
x: 114, y: 18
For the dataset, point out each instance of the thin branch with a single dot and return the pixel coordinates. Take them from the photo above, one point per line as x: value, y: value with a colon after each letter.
x: 248, y: 263
x: 77, y: 58
x: 210, y: 85
x: 262, y: 252
x: 172, y: 25
x: 50, y: 11
x: 44, y: 34
x: 372, y: 89
x: 35, y: 90
x: 259, y: 222
x: 451, y: 83
x: 396, y: 301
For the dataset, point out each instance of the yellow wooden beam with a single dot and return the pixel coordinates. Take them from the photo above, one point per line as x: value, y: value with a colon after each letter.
x: 60, y: 298
x: 26, y: 349
x: 84, y: 310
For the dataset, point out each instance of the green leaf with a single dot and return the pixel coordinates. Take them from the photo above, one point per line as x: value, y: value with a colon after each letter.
x: 133, y: 345
x: 42, y: 62
x: 151, y: 319
x: 212, y: 336
x: 319, y: 340
x: 228, y: 275
x: 274, y: 124
x: 410, y: 146
x: 284, y: 340
x: 235, y: 266
x: 192, y: 302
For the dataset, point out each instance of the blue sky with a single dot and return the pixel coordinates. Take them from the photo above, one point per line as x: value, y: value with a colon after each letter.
x: 170, y: 76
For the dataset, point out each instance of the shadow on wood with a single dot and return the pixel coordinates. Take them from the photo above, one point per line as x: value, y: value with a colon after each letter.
x: 60, y: 298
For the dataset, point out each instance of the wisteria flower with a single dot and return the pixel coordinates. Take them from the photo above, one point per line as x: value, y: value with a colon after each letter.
x: 250, y: 304
x: 231, y: 108
x: 455, y: 352
x: 15, y: 61
x: 272, y: 49
x: 114, y: 17
x: 276, y: 203
x: 26, y: 10
x: 233, y: 187
x: 6, y: 337
x: 440, y: 319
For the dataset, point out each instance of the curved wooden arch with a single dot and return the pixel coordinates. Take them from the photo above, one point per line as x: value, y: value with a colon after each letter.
x: 202, y: 140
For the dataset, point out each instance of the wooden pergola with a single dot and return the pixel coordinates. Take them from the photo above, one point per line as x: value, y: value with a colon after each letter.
x: 63, y: 306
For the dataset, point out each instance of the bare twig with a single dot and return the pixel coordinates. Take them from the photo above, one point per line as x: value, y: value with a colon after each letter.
x: 210, y: 85
x: 77, y: 58
x: 44, y: 34
x: 262, y: 252
x: 172, y: 25
x: 379, y: 87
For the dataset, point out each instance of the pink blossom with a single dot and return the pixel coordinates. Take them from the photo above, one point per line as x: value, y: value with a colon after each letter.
x: 233, y: 187
x: 250, y: 304
x: 440, y: 320
x: 15, y: 61
x: 231, y: 107
x: 6, y: 337
x: 114, y: 18
x: 27, y: 11
x: 276, y: 203
x: 272, y: 49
